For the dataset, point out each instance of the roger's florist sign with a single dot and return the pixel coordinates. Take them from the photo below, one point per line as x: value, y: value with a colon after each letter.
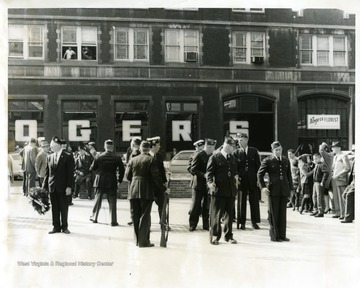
x: 316, y: 121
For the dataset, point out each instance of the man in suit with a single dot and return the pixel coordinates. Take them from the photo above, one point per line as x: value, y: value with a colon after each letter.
x: 341, y: 168
x: 58, y: 181
x: 83, y: 172
x: 248, y: 165
x: 222, y: 179
x: 154, y: 152
x: 106, y: 164
x: 280, y: 185
x: 40, y: 161
x: 142, y: 173
x: 199, y: 205
x: 30, y: 152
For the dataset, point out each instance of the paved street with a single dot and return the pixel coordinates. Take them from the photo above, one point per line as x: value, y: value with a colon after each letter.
x: 322, y: 252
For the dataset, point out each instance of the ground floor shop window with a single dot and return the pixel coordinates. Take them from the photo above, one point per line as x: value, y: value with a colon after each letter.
x: 25, y: 121
x: 182, y: 125
x: 131, y: 119
x: 322, y: 118
x: 79, y: 122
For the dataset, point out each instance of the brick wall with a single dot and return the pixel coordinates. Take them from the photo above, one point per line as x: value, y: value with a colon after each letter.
x: 179, y: 188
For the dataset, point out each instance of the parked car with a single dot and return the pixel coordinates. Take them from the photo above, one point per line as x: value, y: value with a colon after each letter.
x: 179, y: 163
x: 14, y: 165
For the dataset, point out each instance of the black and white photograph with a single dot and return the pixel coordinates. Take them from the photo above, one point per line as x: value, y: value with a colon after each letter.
x: 179, y: 144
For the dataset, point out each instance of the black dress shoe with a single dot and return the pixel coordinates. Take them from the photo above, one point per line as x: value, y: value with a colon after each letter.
x: 285, y: 239
x: 242, y: 227
x: 130, y: 223
x: 147, y: 245
x: 191, y: 228
x: 54, y: 231
x: 114, y: 224
x: 345, y: 221
x: 335, y: 216
x: 71, y: 204
x: 314, y: 214
x: 276, y: 239
x: 66, y: 231
x: 341, y: 218
x: 319, y: 215
x: 206, y: 228
x: 255, y: 226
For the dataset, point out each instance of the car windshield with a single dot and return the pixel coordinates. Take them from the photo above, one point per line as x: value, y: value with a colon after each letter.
x: 183, y: 156
x: 15, y: 157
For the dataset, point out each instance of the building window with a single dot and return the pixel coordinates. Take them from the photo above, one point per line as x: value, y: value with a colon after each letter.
x: 181, y: 45
x: 182, y: 125
x: 323, y: 50
x: 248, y: 47
x: 25, y: 120
x: 131, y: 119
x: 26, y: 41
x: 79, y: 43
x: 131, y: 44
x: 79, y: 121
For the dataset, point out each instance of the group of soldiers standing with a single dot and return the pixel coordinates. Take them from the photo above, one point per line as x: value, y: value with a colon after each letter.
x: 234, y: 167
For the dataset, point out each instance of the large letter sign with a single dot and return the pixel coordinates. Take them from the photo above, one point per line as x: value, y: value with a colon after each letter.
x: 128, y: 129
x: 28, y: 126
x: 238, y: 127
x: 181, y: 128
x: 76, y: 133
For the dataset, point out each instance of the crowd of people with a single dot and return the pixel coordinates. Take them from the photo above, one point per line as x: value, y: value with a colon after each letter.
x: 318, y: 184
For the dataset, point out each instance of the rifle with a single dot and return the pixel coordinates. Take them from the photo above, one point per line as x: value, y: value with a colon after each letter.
x: 212, y: 190
x: 164, y: 221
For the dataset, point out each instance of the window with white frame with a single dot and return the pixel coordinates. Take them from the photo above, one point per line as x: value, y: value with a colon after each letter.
x: 181, y: 45
x: 79, y: 43
x: 26, y: 41
x: 323, y: 50
x: 131, y: 44
x: 247, y: 46
x: 251, y: 10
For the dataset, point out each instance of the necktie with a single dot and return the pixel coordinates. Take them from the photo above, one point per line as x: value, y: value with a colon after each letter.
x: 56, y: 154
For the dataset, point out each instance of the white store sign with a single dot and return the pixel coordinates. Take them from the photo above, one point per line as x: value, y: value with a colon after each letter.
x: 316, y: 121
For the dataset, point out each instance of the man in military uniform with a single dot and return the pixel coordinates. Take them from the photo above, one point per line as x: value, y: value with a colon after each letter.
x: 248, y: 165
x: 83, y: 172
x: 154, y: 152
x: 222, y: 180
x: 280, y: 185
x: 106, y: 164
x: 199, y: 146
x: 142, y: 173
x: 199, y: 203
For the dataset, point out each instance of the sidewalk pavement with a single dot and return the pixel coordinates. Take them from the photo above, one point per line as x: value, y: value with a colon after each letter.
x: 322, y: 253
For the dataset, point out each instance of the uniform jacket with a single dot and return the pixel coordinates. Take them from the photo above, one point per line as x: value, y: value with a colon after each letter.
x: 280, y: 181
x: 59, y: 177
x: 198, y: 170
x: 40, y: 163
x: 106, y: 165
x: 143, y: 173
x: 248, y: 165
x: 223, y: 174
